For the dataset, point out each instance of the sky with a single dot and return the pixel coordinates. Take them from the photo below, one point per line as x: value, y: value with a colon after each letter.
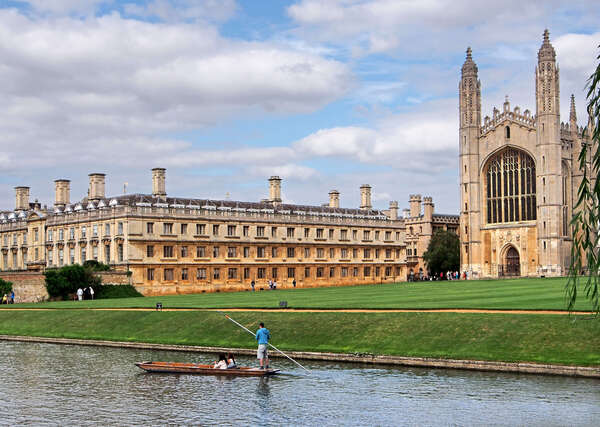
x: 327, y: 94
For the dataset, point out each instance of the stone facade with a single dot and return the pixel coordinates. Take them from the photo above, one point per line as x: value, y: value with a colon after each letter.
x: 167, y: 245
x: 518, y: 178
x: 421, y: 224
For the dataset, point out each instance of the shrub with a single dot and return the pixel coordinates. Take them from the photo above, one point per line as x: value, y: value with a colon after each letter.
x: 115, y: 291
x: 5, y: 287
x: 95, y: 265
x: 56, y: 284
x: 66, y: 280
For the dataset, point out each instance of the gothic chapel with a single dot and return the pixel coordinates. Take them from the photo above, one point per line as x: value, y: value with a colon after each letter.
x: 519, y: 177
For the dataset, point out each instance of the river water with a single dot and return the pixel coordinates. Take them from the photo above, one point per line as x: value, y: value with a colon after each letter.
x: 48, y: 384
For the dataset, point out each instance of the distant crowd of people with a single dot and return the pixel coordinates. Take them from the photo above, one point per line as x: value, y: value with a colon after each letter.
x: 9, y: 298
x: 448, y: 275
x: 271, y: 283
x: 85, y: 293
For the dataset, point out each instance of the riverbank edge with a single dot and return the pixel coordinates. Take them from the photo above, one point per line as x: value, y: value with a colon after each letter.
x: 421, y: 362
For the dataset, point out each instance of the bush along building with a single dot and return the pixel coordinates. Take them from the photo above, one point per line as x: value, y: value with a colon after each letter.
x: 181, y: 245
x: 519, y: 175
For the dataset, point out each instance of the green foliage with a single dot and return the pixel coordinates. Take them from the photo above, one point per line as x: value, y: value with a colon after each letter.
x: 66, y: 280
x: 116, y: 291
x: 95, y: 265
x: 443, y: 252
x: 56, y: 284
x: 5, y: 287
x: 584, y: 254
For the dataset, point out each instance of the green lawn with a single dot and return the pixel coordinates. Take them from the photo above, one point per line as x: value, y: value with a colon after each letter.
x: 532, y: 294
x: 500, y: 337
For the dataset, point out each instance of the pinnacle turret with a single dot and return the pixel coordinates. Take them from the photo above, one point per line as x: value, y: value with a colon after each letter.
x: 572, y: 113
x: 469, y: 67
x: 546, y: 52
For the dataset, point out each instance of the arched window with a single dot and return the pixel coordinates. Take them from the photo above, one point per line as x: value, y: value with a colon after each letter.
x: 510, y: 187
x: 507, y: 132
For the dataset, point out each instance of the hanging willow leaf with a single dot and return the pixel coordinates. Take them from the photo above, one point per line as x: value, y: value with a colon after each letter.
x: 584, y: 273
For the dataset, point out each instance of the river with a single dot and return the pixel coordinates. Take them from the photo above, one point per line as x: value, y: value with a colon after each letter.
x: 49, y: 384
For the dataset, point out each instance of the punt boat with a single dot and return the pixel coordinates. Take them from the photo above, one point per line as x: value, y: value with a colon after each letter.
x: 194, y: 368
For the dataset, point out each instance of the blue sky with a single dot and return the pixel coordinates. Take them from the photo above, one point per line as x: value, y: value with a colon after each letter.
x: 225, y: 93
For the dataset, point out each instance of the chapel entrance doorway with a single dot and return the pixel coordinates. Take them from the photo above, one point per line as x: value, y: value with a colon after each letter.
x: 512, y: 264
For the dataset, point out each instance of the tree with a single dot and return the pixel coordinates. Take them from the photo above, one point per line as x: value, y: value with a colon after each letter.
x: 584, y: 254
x: 56, y: 284
x: 5, y: 287
x: 443, y: 252
x: 95, y: 265
x: 66, y: 280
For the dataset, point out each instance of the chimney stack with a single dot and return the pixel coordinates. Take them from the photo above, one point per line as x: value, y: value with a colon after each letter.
x: 22, y: 198
x: 96, y: 191
x: 158, y: 182
x: 414, y: 202
x: 275, y: 189
x: 393, y: 210
x: 62, y: 192
x: 334, y: 199
x: 365, y: 196
x: 428, y: 208
x: 405, y: 213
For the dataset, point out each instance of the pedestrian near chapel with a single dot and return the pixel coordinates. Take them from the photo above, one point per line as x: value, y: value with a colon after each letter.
x: 262, y: 336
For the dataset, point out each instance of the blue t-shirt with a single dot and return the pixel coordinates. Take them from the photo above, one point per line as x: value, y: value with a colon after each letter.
x: 263, y: 335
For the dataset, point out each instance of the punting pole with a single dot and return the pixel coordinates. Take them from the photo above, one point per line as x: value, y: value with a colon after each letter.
x: 254, y: 335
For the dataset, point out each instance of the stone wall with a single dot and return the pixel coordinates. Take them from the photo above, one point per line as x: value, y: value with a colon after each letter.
x: 159, y: 288
x: 114, y: 277
x: 28, y: 286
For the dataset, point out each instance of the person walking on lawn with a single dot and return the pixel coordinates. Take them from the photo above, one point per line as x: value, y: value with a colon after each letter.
x: 262, y: 336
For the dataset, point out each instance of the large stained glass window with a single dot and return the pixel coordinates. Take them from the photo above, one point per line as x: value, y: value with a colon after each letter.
x: 510, y: 187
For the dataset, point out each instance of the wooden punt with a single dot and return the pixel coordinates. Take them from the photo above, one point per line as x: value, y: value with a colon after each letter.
x: 194, y: 368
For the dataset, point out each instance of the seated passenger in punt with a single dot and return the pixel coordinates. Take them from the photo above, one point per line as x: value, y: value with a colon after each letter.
x: 221, y: 363
x: 231, y: 361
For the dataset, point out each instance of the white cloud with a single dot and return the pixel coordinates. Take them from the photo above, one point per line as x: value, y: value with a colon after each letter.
x: 75, y: 90
x: 423, y: 27
x: 286, y: 171
x: 420, y: 140
x: 576, y: 54
x: 237, y: 157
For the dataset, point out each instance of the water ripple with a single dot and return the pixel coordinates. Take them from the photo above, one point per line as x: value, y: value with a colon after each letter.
x: 46, y: 384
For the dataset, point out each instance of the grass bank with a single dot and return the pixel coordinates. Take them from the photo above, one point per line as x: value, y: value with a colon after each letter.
x: 525, y: 294
x: 497, y: 337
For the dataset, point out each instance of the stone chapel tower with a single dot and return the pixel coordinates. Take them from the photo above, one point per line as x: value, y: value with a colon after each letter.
x: 519, y: 177
x: 549, y: 155
x: 469, y: 90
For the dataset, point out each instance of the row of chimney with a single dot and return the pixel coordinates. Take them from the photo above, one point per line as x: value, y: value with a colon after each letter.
x: 97, y: 186
x: 334, y: 197
x: 96, y: 190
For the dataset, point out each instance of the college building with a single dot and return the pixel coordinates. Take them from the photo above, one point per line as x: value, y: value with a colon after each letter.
x: 180, y: 245
x: 519, y: 175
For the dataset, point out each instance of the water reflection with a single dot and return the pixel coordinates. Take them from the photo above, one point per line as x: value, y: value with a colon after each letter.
x: 76, y: 385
